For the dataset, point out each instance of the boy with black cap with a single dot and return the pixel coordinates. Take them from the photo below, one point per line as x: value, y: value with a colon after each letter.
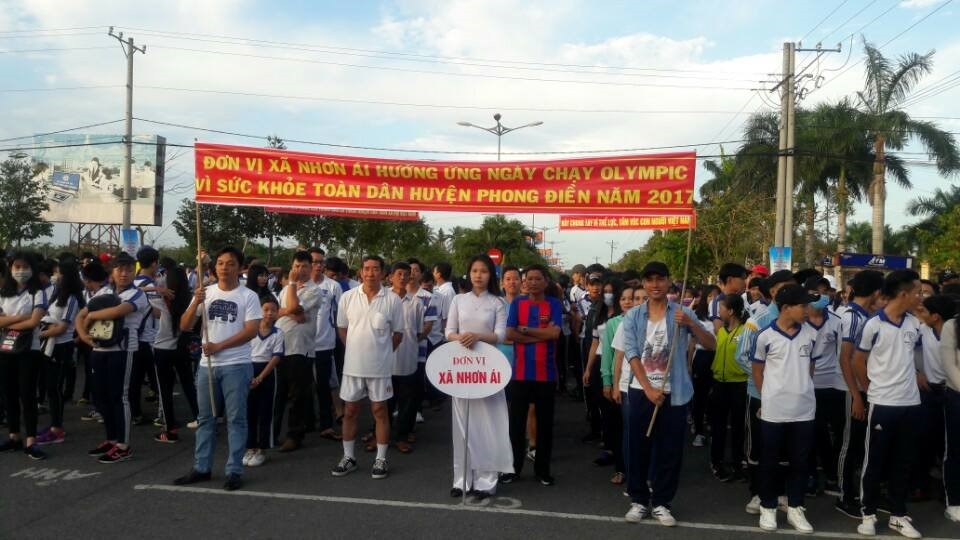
x: 112, y: 364
x: 865, y: 291
x: 783, y: 366
x: 762, y: 318
x: 884, y: 359
x: 649, y: 331
x: 733, y: 280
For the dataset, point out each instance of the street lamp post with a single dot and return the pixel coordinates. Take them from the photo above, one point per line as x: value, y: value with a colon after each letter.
x: 500, y: 130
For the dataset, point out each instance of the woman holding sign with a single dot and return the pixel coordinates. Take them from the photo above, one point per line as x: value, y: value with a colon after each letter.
x: 479, y: 315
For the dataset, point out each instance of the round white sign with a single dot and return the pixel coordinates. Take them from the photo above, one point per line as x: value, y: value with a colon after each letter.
x: 468, y: 373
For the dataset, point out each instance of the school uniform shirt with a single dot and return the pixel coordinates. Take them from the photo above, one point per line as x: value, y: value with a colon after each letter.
x: 409, y: 350
x: 300, y: 338
x: 756, y: 307
x: 227, y: 314
x: 63, y: 314
x: 585, y: 307
x: 713, y: 311
x: 444, y: 295
x: 329, y: 292
x: 852, y: 320
x: 370, y: 325
x: 147, y: 328
x: 431, y: 306
x: 751, y: 329
x: 263, y: 347
x: 890, y: 367
x: 131, y: 321
x: 535, y: 361
x: 23, y: 303
x: 708, y: 326
x: 787, y: 393
x: 930, y: 352
x: 166, y: 338
x: 828, y: 361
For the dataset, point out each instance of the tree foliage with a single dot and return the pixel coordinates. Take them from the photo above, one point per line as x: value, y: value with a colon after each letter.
x: 22, y: 203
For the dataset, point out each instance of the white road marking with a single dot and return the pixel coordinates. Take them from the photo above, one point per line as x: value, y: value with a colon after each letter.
x: 486, y: 509
x: 47, y: 476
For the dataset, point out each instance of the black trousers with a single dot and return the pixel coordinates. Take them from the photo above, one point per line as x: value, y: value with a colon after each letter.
x: 404, y: 403
x: 20, y: 373
x: 829, y: 425
x: 173, y: 364
x: 520, y: 394
x: 796, y: 440
x: 53, y: 370
x: 260, y: 404
x: 728, y: 403
x: 613, y: 432
x: 563, y: 362
x: 653, y: 471
x: 143, y: 364
x: 593, y: 394
x: 753, y: 450
x: 111, y: 371
x: 951, y: 460
x: 68, y: 379
x: 702, y: 377
x: 890, y: 449
x: 295, y: 387
x: 850, y: 460
x: 931, y: 435
x: 83, y: 358
x: 323, y: 366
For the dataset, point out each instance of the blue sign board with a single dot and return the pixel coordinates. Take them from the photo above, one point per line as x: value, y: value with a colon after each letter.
x: 882, y: 262
x: 781, y: 258
x: 64, y: 180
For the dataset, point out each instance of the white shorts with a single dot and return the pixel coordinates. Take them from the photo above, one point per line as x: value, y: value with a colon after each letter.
x: 356, y: 388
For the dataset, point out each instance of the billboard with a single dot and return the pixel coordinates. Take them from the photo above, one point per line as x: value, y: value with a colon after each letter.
x: 83, y: 174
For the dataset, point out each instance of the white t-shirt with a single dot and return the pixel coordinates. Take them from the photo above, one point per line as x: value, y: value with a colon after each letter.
x: 444, y: 295
x: 24, y: 303
x: 370, y: 327
x: 930, y: 349
x: 329, y: 292
x: 656, y: 350
x: 617, y: 344
x: 890, y: 367
x: 165, y: 338
x: 825, y: 353
x: 300, y: 338
x: 708, y: 326
x: 147, y: 329
x: 787, y: 393
x: 63, y: 314
x: 264, y: 348
x: 227, y: 314
x: 408, y: 352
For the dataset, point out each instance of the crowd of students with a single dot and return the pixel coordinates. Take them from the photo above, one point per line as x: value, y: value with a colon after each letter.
x: 798, y: 386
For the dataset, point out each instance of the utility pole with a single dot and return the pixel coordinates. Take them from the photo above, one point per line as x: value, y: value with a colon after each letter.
x: 612, y: 245
x: 129, y: 49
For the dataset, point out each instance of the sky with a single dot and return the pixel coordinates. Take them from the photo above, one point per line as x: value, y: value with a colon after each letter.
x: 402, y: 74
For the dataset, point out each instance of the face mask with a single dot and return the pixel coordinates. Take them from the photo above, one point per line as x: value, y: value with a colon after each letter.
x: 55, y: 280
x: 22, y: 276
x: 821, y: 303
x: 672, y: 297
x: 608, y: 299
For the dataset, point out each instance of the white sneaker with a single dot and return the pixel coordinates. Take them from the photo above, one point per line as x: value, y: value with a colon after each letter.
x: 636, y: 513
x: 663, y: 515
x: 768, y: 519
x: 904, y: 526
x: 193, y: 424
x: 753, y: 507
x: 699, y: 441
x: 257, y: 459
x: 782, y: 503
x: 419, y: 418
x: 952, y: 513
x: 798, y: 520
x: 868, y: 527
x: 246, y: 458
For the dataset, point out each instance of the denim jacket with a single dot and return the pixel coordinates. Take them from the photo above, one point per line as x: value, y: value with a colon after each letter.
x: 635, y: 335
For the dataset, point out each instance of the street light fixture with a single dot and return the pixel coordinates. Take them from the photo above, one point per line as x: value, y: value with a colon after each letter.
x: 499, y: 130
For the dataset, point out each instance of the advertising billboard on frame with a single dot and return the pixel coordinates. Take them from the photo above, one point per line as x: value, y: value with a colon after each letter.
x: 83, y: 174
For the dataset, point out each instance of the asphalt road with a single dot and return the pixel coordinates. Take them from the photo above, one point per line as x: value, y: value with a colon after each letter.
x: 294, y: 495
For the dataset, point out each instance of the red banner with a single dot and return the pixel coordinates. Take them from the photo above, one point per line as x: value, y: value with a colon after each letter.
x: 628, y: 223
x: 622, y: 185
x: 390, y: 215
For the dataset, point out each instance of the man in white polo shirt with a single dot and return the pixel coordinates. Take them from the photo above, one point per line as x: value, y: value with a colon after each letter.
x: 885, y: 359
x: 370, y: 323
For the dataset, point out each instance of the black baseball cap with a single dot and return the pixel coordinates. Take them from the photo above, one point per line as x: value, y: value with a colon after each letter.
x: 655, y: 267
x: 595, y: 278
x: 793, y: 294
x: 947, y: 275
x: 780, y: 276
x: 814, y: 282
x: 729, y: 270
x: 94, y: 271
x: 124, y: 259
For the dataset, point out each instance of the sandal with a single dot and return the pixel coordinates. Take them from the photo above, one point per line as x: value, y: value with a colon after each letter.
x: 618, y: 479
x: 331, y: 435
x: 403, y: 447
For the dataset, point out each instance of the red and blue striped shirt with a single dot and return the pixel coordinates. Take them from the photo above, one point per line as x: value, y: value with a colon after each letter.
x: 535, y: 361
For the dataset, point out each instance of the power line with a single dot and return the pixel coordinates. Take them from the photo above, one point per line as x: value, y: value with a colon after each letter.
x: 47, y: 36
x: 262, y: 42
x: 61, y: 131
x: 21, y: 51
x: 40, y: 30
x: 59, y: 88
x: 824, y: 19
x: 844, y: 23
x: 452, y: 74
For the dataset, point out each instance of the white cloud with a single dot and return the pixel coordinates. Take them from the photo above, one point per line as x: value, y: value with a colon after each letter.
x: 918, y: 4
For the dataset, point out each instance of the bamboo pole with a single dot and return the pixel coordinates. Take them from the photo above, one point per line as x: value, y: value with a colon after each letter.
x: 203, y: 317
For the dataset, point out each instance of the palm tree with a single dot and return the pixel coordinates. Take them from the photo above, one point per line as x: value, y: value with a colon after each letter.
x: 886, y: 88
x: 940, y: 203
